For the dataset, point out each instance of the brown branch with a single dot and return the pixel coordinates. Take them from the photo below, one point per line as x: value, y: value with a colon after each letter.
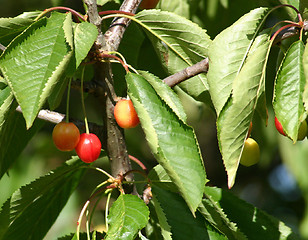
x: 95, y: 19
x: 189, y: 72
x: 113, y: 135
x: 2, y: 47
x: 116, y: 30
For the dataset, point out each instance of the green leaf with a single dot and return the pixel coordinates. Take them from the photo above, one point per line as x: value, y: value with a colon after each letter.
x: 128, y: 214
x: 183, y: 224
x: 84, y: 36
x: 289, y: 88
x: 228, y: 53
x: 166, y: 94
x: 46, y: 53
x: 253, y: 222
x: 14, y: 137
x: 179, y: 43
x: 215, y: 215
x: 305, y: 66
x: 31, y: 210
x: 233, y: 122
x: 11, y: 27
x: 55, y: 98
x: 6, y: 100
x: 179, y: 7
x: 172, y: 142
x: 162, y: 219
x: 160, y: 178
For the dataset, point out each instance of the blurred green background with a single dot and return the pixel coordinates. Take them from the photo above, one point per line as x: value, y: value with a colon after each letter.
x: 278, y: 184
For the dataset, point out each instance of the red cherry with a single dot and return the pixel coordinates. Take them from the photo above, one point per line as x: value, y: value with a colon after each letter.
x: 65, y: 136
x: 125, y: 114
x: 279, y: 127
x: 89, y: 147
x: 148, y: 4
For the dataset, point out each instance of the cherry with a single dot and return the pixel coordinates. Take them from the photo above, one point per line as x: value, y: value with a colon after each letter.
x: 279, y: 127
x: 302, y: 131
x: 89, y: 147
x: 65, y: 136
x: 148, y: 4
x: 251, y: 153
x: 125, y: 114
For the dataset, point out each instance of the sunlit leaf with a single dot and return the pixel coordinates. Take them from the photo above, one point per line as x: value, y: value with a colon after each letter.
x: 160, y: 178
x: 166, y: 94
x: 45, y: 54
x: 127, y: 216
x: 234, y: 120
x: 84, y: 36
x: 172, y: 142
x: 305, y: 67
x: 180, y: 7
x: 228, y: 52
x: 11, y: 27
x: 179, y: 43
x: 289, y: 88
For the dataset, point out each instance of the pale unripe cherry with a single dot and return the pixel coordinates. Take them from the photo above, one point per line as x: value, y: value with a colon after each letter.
x: 251, y: 153
x: 302, y: 131
x: 125, y: 114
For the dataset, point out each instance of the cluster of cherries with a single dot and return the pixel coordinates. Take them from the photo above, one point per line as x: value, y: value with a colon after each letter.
x: 251, y: 151
x: 66, y: 135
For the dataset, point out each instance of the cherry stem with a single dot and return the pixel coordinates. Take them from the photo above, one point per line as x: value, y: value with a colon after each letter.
x: 75, y: 13
x: 282, y: 28
x: 117, y: 58
x: 80, y: 217
x: 115, y: 12
x: 106, y: 210
x: 68, y: 100
x: 300, y: 19
x: 96, y: 203
x: 136, y: 160
x: 82, y: 101
x: 103, y: 171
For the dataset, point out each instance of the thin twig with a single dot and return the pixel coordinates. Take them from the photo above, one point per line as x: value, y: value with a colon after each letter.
x: 2, y: 47
x: 189, y: 72
x: 47, y: 115
x: 55, y: 117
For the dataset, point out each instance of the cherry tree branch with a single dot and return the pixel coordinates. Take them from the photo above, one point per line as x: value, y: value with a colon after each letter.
x: 56, y: 117
x: 189, y: 72
x: 113, y: 135
x: 118, y: 26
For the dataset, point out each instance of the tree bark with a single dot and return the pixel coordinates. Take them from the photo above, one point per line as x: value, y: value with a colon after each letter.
x: 113, y: 136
